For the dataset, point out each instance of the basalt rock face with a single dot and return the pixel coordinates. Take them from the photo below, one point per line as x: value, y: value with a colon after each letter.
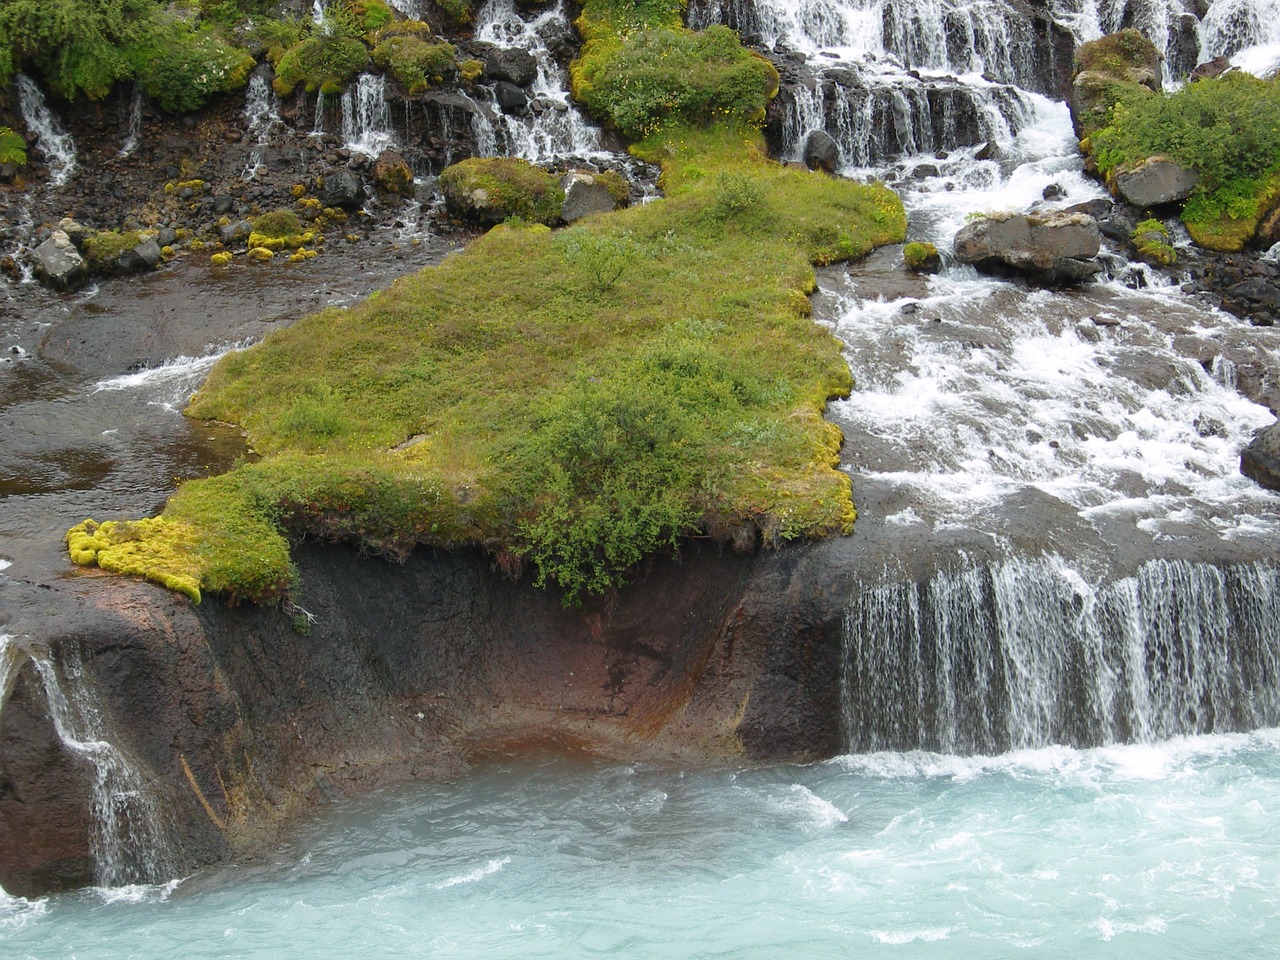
x: 238, y: 721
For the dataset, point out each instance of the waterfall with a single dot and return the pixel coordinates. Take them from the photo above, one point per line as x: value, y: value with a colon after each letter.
x: 317, y: 12
x: 129, y: 842
x: 261, y: 114
x: 366, y: 119
x: 1027, y: 653
x: 51, y: 137
x: 134, y: 136
x: 554, y: 128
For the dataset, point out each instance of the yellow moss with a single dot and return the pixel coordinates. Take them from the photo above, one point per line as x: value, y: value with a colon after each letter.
x: 298, y: 190
x: 157, y: 549
x: 291, y: 242
x: 260, y: 254
x: 220, y: 259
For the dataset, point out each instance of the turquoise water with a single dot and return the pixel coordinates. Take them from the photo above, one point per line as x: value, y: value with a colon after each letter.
x: 1162, y: 851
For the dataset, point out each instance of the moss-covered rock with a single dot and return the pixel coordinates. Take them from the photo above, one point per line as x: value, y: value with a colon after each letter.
x: 1151, y: 242
x: 491, y: 190
x: 1118, y: 66
x: 321, y: 60
x: 922, y: 257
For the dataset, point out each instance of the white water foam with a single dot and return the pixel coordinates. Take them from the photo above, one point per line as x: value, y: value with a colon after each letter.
x: 172, y: 380
x: 366, y: 118
x: 133, y: 137
x: 262, y: 115
x: 476, y: 875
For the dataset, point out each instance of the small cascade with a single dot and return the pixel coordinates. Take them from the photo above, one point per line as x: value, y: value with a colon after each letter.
x: 366, y: 118
x: 1231, y: 26
x: 51, y: 137
x: 134, y: 136
x: 261, y: 114
x: 554, y: 127
x: 412, y: 9
x: 1027, y: 653
x: 484, y: 132
x: 130, y: 844
x: 317, y: 124
x: 317, y: 12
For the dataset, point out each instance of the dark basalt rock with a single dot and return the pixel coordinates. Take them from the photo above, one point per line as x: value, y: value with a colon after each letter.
x: 513, y: 65
x: 239, y: 722
x: 1260, y: 460
x: 511, y: 98
x: 821, y: 152
x: 59, y: 264
x: 1155, y: 182
x: 1054, y: 248
x: 344, y: 191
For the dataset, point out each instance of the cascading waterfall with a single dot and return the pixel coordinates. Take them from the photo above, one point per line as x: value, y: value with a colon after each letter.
x: 134, y: 136
x: 261, y: 114
x: 51, y: 137
x: 554, y: 128
x: 130, y: 844
x: 1027, y: 653
x: 366, y: 118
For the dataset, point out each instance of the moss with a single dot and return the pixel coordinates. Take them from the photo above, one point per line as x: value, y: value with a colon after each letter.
x: 220, y: 259
x: 617, y: 185
x: 157, y: 549
x: 321, y: 60
x: 919, y: 256
x: 1150, y: 239
x: 514, y: 187
x: 1122, y: 55
x: 415, y: 63
x: 260, y: 254
x: 104, y: 247
x: 279, y: 230
x: 470, y: 71
x: 458, y: 11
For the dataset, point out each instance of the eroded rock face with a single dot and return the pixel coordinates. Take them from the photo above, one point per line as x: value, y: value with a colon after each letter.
x: 583, y: 196
x: 239, y: 722
x: 1053, y: 248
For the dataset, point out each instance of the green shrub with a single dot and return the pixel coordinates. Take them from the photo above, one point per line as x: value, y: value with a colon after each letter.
x: 459, y: 11
x: 180, y: 67
x: 279, y: 36
x: 77, y: 46
x: 671, y: 75
x: 601, y: 257
x: 13, y: 149
x: 1118, y: 54
x: 415, y: 63
x: 735, y: 194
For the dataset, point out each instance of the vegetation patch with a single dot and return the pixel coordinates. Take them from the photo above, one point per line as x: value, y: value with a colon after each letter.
x: 920, y: 256
x: 181, y: 66
x: 13, y: 149
x: 641, y: 69
x: 563, y: 413
x: 495, y: 188
x: 1227, y: 129
x: 104, y: 247
x: 279, y: 230
x: 1150, y: 239
x: 415, y: 63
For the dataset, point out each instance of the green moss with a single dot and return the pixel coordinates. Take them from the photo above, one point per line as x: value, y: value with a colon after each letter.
x: 917, y: 255
x: 13, y: 149
x: 1120, y: 55
x: 515, y: 187
x: 279, y: 230
x: 415, y: 63
x: 318, y: 60
x: 458, y: 11
x: 1150, y: 239
x: 102, y: 248
x: 158, y: 549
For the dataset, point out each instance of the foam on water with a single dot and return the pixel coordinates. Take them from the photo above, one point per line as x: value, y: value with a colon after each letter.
x: 476, y: 875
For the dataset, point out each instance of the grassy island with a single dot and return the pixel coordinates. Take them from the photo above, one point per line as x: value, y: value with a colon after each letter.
x: 572, y: 401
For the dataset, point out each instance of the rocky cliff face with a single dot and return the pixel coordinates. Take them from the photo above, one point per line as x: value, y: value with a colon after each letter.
x: 239, y: 718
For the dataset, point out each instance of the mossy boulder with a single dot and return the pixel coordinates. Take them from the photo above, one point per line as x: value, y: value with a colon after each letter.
x: 1154, y: 182
x: 392, y: 174
x: 588, y: 193
x: 1152, y: 244
x: 1106, y: 71
x: 491, y: 190
x: 922, y: 257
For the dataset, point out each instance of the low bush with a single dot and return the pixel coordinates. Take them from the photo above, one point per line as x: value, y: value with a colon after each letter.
x: 13, y: 149
x: 180, y: 67
x: 670, y: 75
x: 320, y: 61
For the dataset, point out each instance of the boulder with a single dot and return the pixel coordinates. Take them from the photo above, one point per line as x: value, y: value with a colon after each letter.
x: 343, y: 190
x: 513, y: 65
x: 1052, y: 248
x: 392, y: 173
x: 511, y: 98
x: 1260, y: 460
x: 584, y: 194
x: 821, y: 152
x: 1154, y: 182
x: 59, y: 264
x: 1210, y: 69
x: 235, y: 232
